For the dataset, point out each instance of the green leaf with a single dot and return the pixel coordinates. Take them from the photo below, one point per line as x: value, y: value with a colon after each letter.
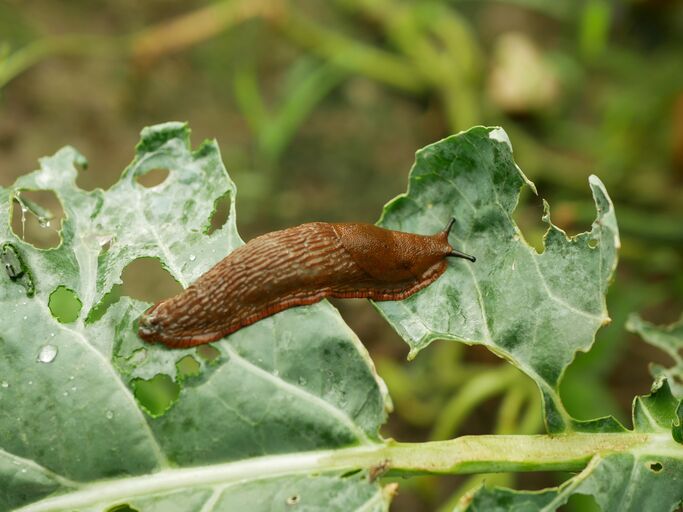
x: 68, y: 412
x: 287, y: 414
x: 647, y: 477
x: 669, y: 338
x: 535, y: 310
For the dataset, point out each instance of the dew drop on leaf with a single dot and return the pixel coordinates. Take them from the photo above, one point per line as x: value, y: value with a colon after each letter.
x: 47, y: 354
x: 192, y: 257
x: 109, y: 414
x: 4, y: 384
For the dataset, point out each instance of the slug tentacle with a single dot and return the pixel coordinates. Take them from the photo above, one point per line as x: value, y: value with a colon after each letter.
x: 294, y: 267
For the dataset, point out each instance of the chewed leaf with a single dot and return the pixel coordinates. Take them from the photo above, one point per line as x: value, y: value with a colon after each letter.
x: 646, y: 478
x: 668, y: 338
x: 77, y: 398
x: 536, y: 310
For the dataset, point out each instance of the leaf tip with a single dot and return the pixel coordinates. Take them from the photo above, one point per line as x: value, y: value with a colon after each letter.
x: 499, y: 134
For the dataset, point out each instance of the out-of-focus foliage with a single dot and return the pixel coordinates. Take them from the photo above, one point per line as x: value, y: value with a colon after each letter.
x: 319, y: 107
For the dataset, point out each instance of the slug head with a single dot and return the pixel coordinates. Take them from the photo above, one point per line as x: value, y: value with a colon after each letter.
x: 395, y: 256
x: 454, y: 253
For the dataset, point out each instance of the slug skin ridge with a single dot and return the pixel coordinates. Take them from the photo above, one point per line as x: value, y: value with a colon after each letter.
x: 295, y: 267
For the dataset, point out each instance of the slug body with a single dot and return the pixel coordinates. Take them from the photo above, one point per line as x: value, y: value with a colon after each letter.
x: 294, y: 267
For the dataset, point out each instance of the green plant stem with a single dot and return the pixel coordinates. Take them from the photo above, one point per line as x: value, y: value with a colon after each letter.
x: 166, y: 37
x: 464, y: 455
x: 28, y: 56
x: 190, y: 29
x: 476, y: 390
x: 508, y: 423
x: 350, y: 54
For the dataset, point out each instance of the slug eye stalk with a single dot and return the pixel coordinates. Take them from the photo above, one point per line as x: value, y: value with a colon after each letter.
x: 454, y: 253
x: 458, y: 254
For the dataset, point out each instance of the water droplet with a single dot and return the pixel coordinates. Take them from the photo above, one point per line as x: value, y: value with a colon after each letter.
x: 74, y: 388
x: 192, y: 257
x: 23, y: 470
x: 302, y: 381
x: 66, y: 393
x: 109, y: 415
x: 4, y: 384
x: 30, y: 383
x: 47, y: 354
x: 25, y: 317
x: 52, y: 335
x: 71, y: 377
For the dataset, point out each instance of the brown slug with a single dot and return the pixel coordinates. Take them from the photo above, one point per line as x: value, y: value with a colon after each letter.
x: 294, y: 267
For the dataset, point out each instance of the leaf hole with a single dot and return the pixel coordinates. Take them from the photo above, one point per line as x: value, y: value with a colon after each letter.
x: 37, y: 218
x: 64, y: 304
x: 105, y: 243
x: 351, y: 473
x: 146, y: 279
x: 221, y: 212
x: 293, y: 499
x: 655, y: 466
x: 188, y: 366
x: 122, y: 508
x: 156, y: 395
x: 582, y: 502
x: 153, y: 177
x: 100, y: 309
x: 208, y: 353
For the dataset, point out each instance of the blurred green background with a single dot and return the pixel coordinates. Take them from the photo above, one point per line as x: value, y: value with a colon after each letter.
x: 319, y: 107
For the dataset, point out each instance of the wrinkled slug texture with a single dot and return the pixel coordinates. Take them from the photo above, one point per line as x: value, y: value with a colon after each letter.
x: 294, y: 267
